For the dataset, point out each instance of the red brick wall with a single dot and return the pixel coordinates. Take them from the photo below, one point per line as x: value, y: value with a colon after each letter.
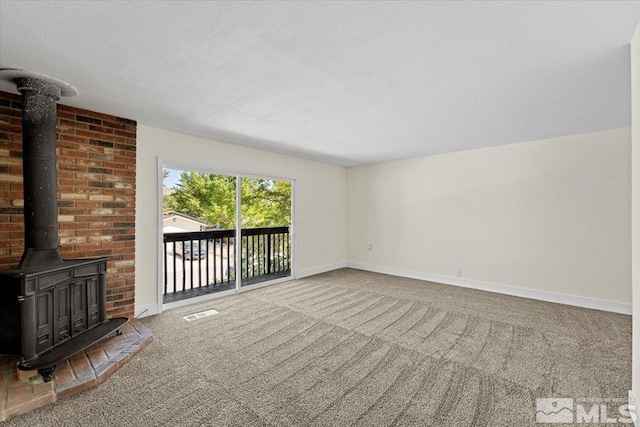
x: 96, y: 193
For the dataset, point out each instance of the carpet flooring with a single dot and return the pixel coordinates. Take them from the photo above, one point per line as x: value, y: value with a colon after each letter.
x: 356, y: 348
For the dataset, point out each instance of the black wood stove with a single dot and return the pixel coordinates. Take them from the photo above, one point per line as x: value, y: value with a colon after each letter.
x: 50, y: 309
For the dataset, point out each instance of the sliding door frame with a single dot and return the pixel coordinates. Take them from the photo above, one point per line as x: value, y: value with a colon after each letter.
x: 216, y: 170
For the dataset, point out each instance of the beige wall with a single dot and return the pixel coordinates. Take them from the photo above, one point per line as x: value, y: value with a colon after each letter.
x: 635, y: 125
x: 552, y: 215
x: 320, y: 200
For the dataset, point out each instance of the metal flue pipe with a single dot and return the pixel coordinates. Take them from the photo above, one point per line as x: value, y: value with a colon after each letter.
x: 39, y: 97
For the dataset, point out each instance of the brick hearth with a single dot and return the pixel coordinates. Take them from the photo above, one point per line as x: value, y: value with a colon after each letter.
x: 74, y: 376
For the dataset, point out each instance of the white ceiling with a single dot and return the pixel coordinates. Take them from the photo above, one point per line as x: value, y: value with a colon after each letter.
x: 344, y: 82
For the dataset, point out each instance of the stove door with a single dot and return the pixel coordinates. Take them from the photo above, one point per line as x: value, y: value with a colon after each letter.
x: 79, y: 307
x: 44, y: 321
x: 62, y: 314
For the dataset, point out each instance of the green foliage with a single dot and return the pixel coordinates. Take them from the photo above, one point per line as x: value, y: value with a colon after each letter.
x: 212, y: 198
x: 265, y: 203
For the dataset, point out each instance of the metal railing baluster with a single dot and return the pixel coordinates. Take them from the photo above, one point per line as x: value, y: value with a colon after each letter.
x: 265, y: 254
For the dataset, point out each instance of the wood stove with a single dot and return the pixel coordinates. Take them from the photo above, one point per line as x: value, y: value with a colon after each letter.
x: 50, y: 309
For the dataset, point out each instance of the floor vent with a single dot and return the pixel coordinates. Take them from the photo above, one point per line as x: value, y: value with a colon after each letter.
x: 200, y: 315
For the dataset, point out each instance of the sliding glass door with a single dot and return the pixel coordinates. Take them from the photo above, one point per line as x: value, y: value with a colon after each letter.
x: 199, y: 224
x: 266, y: 225
x: 203, y: 213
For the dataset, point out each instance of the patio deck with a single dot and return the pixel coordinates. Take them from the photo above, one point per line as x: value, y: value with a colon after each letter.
x: 224, y: 286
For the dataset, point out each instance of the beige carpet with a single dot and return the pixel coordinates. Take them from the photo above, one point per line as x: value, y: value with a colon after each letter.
x: 357, y: 348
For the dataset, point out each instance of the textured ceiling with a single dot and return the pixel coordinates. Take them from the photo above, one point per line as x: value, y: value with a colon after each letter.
x: 344, y: 82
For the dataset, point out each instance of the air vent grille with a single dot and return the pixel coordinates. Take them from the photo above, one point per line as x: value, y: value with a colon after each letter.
x: 200, y: 315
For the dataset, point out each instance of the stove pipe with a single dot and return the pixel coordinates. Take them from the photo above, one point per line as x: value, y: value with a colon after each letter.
x: 39, y: 96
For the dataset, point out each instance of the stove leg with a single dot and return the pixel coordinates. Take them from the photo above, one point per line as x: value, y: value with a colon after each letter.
x: 118, y: 332
x: 47, y: 373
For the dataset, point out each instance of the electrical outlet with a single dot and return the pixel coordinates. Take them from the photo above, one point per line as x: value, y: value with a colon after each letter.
x: 369, y: 245
x: 459, y: 272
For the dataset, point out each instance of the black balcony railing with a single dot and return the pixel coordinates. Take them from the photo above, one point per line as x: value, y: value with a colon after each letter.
x: 201, y: 262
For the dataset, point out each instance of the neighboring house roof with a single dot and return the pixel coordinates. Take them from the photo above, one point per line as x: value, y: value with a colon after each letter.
x: 166, y: 191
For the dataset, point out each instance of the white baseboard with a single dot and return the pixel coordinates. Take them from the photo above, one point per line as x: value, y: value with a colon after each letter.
x: 633, y: 409
x: 321, y: 269
x: 616, y: 307
x: 145, y: 310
